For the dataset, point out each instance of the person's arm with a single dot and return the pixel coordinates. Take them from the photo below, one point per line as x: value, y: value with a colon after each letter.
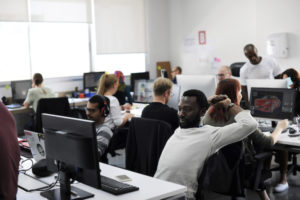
x: 126, y: 118
x: 28, y: 100
x: 103, y: 138
x: 281, y: 125
x: 115, y: 112
x: 245, y: 125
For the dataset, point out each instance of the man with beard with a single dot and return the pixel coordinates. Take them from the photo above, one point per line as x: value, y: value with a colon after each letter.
x: 256, y: 68
x: 184, y: 155
x: 162, y: 89
x: 97, y: 109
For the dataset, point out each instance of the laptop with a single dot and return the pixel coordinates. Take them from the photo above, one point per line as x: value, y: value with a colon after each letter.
x: 37, y: 144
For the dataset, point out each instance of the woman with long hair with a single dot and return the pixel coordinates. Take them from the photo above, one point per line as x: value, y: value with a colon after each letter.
x: 255, y: 142
x: 108, y: 86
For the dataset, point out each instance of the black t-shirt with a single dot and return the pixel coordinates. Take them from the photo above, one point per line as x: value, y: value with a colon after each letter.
x: 162, y: 112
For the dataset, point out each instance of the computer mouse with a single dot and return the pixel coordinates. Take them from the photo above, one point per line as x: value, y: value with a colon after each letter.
x: 292, y: 130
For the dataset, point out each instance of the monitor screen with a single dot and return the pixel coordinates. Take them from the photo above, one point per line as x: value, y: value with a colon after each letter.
x: 91, y: 80
x: 206, y: 83
x: 272, y: 103
x: 266, y: 83
x: 175, y: 97
x: 19, y: 90
x: 68, y: 141
x: 143, y: 91
x: 137, y: 76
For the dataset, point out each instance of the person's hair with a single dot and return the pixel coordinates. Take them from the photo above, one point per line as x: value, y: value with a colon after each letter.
x: 200, y: 98
x: 249, y: 46
x: 294, y: 75
x: 227, y: 68
x: 161, y: 85
x: 179, y: 69
x: 99, y: 99
x: 37, y: 79
x: 106, y: 82
x: 229, y: 87
x: 122, y: 84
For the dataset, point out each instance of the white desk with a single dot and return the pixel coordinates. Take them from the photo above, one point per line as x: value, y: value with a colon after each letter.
x: 150, y: 188
x: 137, y: 109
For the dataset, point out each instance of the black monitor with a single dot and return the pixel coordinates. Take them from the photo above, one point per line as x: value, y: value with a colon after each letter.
x: 143, y: 92
x: 272, y: 103
x: 71, y: 145
x: 137, y: 76
x: 91, y: 80
x: 19, y: 90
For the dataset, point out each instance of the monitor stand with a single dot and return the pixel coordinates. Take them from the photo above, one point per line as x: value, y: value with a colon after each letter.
x: 66, y: 191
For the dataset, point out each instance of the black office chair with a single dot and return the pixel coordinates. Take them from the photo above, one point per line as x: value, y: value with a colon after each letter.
x: 57, y: 106
x: 235, y: 68
x: 145, y: 142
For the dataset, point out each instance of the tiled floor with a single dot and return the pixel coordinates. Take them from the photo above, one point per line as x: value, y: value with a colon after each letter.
x: 293, y: 193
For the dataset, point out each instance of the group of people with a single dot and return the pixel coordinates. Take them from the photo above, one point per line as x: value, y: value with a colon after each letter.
x: 223, y: 120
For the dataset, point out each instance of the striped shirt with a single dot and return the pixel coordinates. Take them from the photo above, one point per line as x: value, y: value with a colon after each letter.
x: 104, y: 135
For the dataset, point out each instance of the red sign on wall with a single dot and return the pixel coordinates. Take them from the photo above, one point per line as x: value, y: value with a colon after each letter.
x: 202, y: 37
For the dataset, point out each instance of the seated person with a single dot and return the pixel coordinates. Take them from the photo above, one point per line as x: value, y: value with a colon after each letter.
x: 97, y: 109
x: 37, y: 92
x: 257, y: 141
x: 175, y: 71
x: 188, y: 148
x: 162, y: 88
x: 282, y: 156
x: 123, y: 92
x: 9, y: 155
x: 108, y: 86
x: 224, y: 72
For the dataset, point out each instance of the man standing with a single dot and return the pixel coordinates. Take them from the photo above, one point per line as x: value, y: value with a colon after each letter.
x: 187, y: 149
x: 9, y: 155
x: 224, y: 72
x: 176, y: 70
x: 256, y: 68
x: 97, y: 109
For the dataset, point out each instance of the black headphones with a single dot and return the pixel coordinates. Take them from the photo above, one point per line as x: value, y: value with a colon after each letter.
x: 106, y: 107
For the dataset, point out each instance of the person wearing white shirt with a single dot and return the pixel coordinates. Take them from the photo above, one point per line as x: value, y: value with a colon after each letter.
x: 187, y: 149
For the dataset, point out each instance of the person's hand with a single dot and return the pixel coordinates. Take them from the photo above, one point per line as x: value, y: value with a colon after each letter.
x: 283, y: 124
x: 219, y: 98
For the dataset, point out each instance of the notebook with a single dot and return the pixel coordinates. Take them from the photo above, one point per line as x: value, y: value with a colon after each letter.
x: 37, y: 144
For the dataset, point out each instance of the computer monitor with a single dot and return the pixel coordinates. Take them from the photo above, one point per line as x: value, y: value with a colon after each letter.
x: 272, y: 103
x: 137, y: 76
x: 19, y: 90
x: 206, y: 83
x: 71, y: 145
x: 266, y: 83
x: 91, y: 80
x: 175, y: 97
x: 143, y: 91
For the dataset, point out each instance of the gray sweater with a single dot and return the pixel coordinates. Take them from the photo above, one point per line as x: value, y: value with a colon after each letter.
x: 187, y: 149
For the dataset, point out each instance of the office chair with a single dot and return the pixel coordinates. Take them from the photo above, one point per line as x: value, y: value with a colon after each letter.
x: 235, y: 68
x: 57, y: 106
x: 145, y: 142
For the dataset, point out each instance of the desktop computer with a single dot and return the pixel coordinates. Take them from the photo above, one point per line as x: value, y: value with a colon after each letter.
x: 19, y: 90
x: 91, y: 80
x: 143, y: 91
x: 137, y: 76
x: 265, y: 83
x: 273, y: 103
x: 206, y: 83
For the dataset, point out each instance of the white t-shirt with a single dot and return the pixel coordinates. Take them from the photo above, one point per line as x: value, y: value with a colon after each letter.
x: 114, y: 117
x: 266, y: 69
x: 35, y: 94
x: 187, y: 149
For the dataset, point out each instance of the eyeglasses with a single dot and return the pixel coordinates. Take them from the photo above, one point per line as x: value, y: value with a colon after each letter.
x: 90, y: 110
x: 221, y: 75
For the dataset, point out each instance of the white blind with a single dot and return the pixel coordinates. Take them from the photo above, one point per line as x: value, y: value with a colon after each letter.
x: 61, y: 11
x: 120, y: 26
x: 13, y: 10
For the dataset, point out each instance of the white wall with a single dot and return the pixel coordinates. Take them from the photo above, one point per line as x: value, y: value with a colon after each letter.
x: 229, y: 25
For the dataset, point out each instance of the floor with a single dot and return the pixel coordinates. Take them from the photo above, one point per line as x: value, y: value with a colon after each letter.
x: 293, y: 193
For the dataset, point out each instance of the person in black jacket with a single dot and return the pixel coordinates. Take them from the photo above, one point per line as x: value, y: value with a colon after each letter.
x: 162, y: 89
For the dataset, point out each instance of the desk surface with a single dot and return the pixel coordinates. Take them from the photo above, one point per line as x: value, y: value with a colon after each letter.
x: 150, y: 188
x: 285, y: 139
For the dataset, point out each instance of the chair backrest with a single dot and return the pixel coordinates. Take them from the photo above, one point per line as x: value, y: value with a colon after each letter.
x: 145, y: 142
x: 57, y: 106
x: 235, y: 68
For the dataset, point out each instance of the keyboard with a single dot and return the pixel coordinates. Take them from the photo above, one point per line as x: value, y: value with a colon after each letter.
x: 266, y: 129
x: 115, y: 187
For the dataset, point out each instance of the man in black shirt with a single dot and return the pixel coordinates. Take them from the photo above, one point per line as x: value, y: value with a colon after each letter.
x: 158, y: 109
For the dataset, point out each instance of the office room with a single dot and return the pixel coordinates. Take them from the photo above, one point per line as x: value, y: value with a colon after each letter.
x: 63, y: 40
